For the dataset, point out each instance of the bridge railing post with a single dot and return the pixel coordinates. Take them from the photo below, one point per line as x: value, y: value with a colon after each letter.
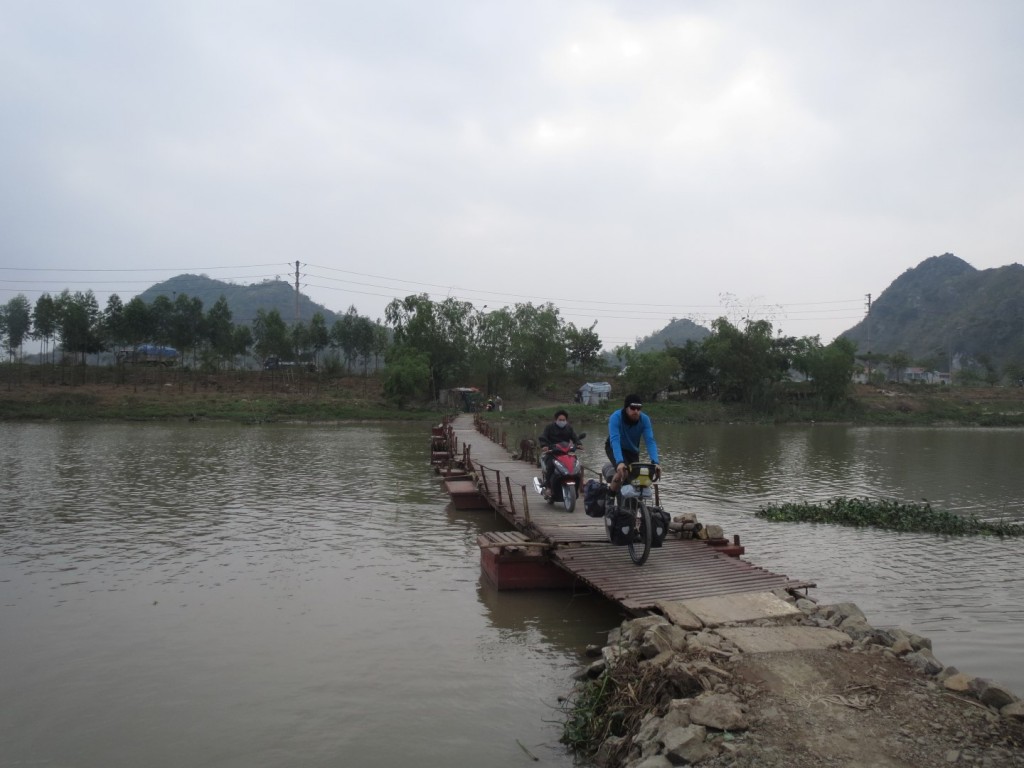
x: 497, y: 475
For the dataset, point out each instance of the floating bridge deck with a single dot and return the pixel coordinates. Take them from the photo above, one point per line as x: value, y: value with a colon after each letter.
x: 482, y: 473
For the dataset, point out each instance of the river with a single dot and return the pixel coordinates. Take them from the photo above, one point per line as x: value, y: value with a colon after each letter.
x: 223, y: 595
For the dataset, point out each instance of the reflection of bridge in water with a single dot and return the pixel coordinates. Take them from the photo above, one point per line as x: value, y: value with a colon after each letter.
x: 551, y: 548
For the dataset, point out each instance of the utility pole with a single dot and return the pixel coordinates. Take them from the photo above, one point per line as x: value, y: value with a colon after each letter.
x: 296, y: 291
x: 868, y: 321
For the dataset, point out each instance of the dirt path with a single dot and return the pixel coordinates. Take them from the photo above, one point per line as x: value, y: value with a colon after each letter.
x: 863, y: 710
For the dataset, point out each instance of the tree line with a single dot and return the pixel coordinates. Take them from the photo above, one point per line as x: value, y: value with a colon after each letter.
x: 424, y: 346
x: 208, y: 338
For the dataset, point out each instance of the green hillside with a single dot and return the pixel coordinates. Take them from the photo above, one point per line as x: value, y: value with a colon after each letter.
x: 243, y: 300
x: 944, y: 307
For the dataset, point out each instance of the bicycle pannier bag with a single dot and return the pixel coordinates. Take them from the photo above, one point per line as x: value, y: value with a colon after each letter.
x: 594, y: 496
x: 659, y: 525
x: 619, y: 525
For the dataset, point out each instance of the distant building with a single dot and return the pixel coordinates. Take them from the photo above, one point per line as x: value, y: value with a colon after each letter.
x: 594, y: 393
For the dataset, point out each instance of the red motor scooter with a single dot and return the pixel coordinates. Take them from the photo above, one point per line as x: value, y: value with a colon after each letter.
x: 566, y: 474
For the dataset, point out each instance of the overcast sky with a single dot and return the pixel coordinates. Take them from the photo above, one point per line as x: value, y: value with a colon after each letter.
x: 629, y: 161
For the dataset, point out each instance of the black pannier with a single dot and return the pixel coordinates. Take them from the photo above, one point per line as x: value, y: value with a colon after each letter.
x: 619, y: 525
x: 659, y: 525
x: 594, y: 496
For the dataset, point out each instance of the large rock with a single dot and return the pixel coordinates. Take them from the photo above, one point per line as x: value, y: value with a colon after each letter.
x: 721, y: 711
x: 1014, y: 711
x: 687, y: 745
x: 992, y: 694
x: 680, y: 615
x: 924, y: 661
x: 662, y: 637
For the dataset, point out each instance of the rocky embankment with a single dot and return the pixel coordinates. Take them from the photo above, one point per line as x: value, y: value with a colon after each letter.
x: 775, y: 680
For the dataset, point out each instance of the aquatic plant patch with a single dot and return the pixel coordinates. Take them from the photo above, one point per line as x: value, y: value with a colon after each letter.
x: 909, y: 517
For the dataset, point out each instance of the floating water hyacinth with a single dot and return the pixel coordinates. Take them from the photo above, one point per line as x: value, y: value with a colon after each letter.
x: 912, y: 517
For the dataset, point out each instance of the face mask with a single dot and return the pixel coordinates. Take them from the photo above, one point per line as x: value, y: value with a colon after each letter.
x: 561, y: 422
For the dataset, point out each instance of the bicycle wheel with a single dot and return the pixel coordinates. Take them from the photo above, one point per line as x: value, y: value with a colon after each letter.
x: 639, y: 545
x: 569, y: 497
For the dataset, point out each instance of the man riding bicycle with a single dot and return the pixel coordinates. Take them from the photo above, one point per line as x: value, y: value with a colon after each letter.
x: 626, y: 427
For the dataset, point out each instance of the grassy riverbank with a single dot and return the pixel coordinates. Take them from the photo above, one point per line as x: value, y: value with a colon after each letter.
x: 75, y: 393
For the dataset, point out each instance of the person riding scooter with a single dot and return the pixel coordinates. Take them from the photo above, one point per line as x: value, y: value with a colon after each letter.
x: 558, y: 431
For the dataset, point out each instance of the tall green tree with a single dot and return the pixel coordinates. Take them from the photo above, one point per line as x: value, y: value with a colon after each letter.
x: 139, y: 322
x: 219, y: 330
x: 343, y: 336
x: 649, y: 373
x: 583, y: 346
x: 538, y: 346
x: 16, y: 322
x: 363, y: 336
x: 115, y: 325
x: 45, y: 320
x: 696, y: 369
x: 899, y: 361
x: 161, y: 320
x: 241, y: 341
x: 79, y: 323
x: 831, y: 367
x: 749, y: 363
x: 187, y: 324
x: 319, y: 336
x: 441, y: 330
x: 492, y: 358
x: 407, y: 376
x: 270, y: 334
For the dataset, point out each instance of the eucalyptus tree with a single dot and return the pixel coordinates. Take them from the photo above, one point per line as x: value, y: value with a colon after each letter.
x: 697, y: 372
x: 649, y: 373
x: 538, y: 346
x: 219, y: 330
x: 115, y: 326
x: 408, y: 374
x: 343, y: 336
x: 241, y: 341
x: 79, y: 323
x: 748, y: 361
x: 45, y: 320
x: 16, y: 317
x: 899, y: 361
x: 139, y: 322
x: 364, y: 337
x: 831, y: 367
x: 443, y: 331
x: 270, y: 334
x: 299, y: 336
x: 803, y: 352
x: 319, y: 336
x: 161, y: 318
x: 187, y: 323
x: 583, y: 346
x: 492, y: 350
x: 381, y: 340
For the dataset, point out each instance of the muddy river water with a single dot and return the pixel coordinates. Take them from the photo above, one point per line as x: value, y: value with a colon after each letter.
x: 223, y: 595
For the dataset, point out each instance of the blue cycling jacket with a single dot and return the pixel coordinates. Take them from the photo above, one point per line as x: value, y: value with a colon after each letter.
x: 623, y: 434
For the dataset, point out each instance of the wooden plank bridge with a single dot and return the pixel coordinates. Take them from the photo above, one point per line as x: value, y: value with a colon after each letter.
x: 481, y: 473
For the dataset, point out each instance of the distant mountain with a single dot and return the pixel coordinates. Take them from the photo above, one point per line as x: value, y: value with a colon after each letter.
x: 243, y: 300
x: 943, y: 306
x: 675, y: 334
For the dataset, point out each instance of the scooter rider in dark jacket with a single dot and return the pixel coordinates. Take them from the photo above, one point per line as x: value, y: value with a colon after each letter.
x: 558, y: 431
